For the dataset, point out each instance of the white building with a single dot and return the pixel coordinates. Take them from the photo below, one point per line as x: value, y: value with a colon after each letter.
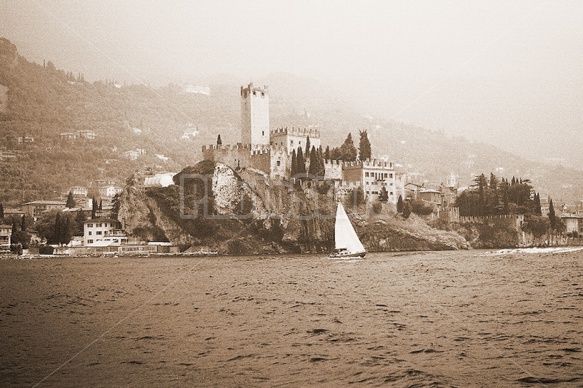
x: 373, y: 175
x: 103, y: 231
x: 109, y: 191
x: 5, y: 234
x: 293, y: 138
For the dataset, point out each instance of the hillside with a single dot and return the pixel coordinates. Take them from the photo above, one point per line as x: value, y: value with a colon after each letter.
x: 247, y: 213
x: 41, y: 102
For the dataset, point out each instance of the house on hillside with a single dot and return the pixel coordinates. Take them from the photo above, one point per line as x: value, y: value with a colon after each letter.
x: 25, y: 139
x: 68, y: 136
x: 5, y: 234
x: 79, y: 191
x: 109, y: 191
x: 35, y: 209
x: 87, y: 134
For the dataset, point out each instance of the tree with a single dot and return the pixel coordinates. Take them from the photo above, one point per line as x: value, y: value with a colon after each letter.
x: 364, y: 146
x: 308, y: 146
x: 419, y: 207
x: 79, y: 222
x: 1, y: 211
x: 407, y: 210
x: 537, y: 225
x: 219, y: 141
x: 93, y: 208
x: 400, y: 205
x: 537, y: 206
x: 356, y: 197
x: 301, y: 163
x: 552, y: 216
x: 294, y: 164
x: 70, y: 201
x: 384, y: 194
x: 327, y: 153
x: 347, y: 151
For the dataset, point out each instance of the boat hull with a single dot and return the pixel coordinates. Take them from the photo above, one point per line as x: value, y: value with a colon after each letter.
x: 348, y: 255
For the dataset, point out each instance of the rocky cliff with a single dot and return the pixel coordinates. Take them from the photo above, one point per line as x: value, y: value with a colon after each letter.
x: 245, y: 212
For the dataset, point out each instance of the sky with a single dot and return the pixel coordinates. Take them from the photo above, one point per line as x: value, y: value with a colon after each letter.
x: 509, y: 73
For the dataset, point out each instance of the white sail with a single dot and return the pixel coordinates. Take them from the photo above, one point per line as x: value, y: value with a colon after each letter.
x: 344, y: 234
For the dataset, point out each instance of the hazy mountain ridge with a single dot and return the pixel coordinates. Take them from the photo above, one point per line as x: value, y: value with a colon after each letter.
x: 44, y: 102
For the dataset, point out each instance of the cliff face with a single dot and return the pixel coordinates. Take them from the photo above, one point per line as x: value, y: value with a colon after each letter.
x: 246, y: 213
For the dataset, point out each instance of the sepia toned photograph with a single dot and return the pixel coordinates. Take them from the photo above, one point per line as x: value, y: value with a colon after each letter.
x: 291, y: 193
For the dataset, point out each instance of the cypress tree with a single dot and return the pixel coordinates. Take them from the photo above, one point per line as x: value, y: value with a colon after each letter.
x: 506, y: 208
x: 80, y: 220
x: 400, y: 205
x: 57, y: 230
x: 1, y: 211
x: 364, y: 146
x: 537, y: 206
x: 327, y: 153
x: 301, y: 163
x: 407, y: 210
x: 294, y: 164
x: 70, y: 201
x: 308, y: 146
x: 552, y: 215
x: 313, y: 168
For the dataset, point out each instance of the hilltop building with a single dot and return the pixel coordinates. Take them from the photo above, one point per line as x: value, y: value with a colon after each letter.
x: 271, y: 152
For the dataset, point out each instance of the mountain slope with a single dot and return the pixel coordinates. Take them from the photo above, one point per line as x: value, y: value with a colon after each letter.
x: 41, y: 102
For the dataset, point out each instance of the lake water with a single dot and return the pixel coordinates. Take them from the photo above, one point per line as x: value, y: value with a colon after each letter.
x: 465, y: 318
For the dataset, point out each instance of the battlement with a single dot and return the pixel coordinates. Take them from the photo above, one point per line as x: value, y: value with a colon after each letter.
x: 370, y: 163
x: 253, y: 150
x: 332, y: 162
x: 518, y: 218
x: 313, y: 133
x: 253, y: 90
x: 226, y: 147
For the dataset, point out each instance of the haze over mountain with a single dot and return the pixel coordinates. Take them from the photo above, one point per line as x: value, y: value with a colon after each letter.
x: 503, y: 72
x: 169, y: 127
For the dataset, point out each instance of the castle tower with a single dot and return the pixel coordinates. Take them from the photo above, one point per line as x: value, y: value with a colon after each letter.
x: 254, y: 116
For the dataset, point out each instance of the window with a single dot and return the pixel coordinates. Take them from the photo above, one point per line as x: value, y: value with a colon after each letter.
x: 391, y: 176
x: 90, y: 225
x: 99, y: 232
x: 89, y: 241
x: 366, y: 174
x: 262, y: 133
x: 90, y: 233
x: 278, y: 163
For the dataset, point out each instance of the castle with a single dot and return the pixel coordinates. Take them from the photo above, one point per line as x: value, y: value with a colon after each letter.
x: 270, y: 151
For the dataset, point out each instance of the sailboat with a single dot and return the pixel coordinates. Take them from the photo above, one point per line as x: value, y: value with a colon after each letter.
x: 347, y: 243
